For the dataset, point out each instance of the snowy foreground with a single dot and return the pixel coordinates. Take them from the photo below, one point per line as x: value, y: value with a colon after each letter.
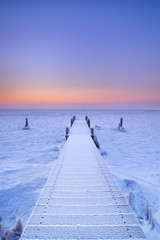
x: 27, y: 156
x: 75, y: 204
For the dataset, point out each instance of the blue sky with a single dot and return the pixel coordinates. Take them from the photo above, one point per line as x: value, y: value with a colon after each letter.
x: 68, y: 52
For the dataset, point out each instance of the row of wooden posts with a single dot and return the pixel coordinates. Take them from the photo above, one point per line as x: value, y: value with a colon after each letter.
x: 92, y: 129
x: 72, y: 121
x: 67, y: 128
x: 95, y: 140
x: 89, y: 125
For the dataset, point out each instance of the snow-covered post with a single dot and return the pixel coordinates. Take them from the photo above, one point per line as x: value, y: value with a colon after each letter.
x: 147, y: 210
x: 96, y: 141
x: 88, y: 121
x: 26, y: 125
x: 120, y: 126
x: 92, y: 132
x: 152, y: 223
x: 67, y: 133
x: 150, y: 216
x: 72, y: 121
x: 121, y: 122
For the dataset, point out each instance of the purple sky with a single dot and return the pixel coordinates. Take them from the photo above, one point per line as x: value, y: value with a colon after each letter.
x: 80, y: 52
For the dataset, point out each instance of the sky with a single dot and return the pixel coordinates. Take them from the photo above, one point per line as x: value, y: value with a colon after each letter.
x: 81, y: 53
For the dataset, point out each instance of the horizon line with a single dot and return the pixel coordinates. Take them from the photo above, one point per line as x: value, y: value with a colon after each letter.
x: 81, y: 109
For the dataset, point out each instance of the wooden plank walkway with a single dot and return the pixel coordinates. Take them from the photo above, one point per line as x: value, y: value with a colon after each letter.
x: 81, y: 199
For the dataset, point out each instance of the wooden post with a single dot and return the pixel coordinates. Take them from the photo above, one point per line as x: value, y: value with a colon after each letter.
x: 72, y: 121
x: 88, y: 121
x: 96, y: 141
x: 74, y: 118
x: 67, y: 133
x: 86, y: 118
x: 67, y: 130
x: 92, y: 131
x: 121, y: 122
x: 26, y: 125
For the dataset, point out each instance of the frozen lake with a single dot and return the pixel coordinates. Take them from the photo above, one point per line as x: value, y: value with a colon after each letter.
x: 27, y: 156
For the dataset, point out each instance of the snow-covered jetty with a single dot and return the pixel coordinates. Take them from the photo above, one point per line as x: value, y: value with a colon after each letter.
x: 81, y: 199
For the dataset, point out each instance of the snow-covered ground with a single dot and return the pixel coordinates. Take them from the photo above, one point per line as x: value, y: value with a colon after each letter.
x: 27, y: 156
x: 134, y: 159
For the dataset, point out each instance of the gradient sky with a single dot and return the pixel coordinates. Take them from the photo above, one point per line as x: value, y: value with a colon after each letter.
x: 99, y: 52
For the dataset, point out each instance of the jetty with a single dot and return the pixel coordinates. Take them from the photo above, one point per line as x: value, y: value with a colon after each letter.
x: 81, y: 199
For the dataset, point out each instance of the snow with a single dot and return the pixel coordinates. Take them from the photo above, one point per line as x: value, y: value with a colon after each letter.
x: 80, y: 156
x: 134, y: 158
x: 26, y: 158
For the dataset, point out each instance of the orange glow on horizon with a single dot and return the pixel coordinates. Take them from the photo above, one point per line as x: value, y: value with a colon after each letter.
x: 74, y: 96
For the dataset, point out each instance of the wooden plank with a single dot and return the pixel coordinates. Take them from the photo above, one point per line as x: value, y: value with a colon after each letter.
x: 111, y: 219
x: 82, y: 201
x: 83, y: 232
